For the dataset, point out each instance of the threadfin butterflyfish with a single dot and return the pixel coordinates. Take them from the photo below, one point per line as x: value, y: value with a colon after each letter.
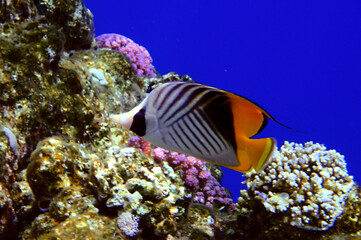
x: 202, y: 121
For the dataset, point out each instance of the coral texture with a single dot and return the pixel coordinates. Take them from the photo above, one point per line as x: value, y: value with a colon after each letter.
x: 141, y: 144
x: 195, y: 174
x: 75, y: 20
x: 208, y: 190
x: 351, y: 216
x: 66, y: 172
x: 128, y: 223
x: 308, y: 183
x: 138, y: 55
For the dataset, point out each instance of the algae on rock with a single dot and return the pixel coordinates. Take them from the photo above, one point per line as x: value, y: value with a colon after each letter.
x: 71, y: 174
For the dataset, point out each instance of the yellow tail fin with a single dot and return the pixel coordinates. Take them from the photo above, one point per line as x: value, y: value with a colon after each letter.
x: 254, y: 154
x: 260, y: 151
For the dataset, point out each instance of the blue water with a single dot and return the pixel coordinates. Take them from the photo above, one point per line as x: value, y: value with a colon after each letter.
x: 301, y: 61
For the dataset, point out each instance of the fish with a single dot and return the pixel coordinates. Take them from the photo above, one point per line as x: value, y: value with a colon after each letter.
x: 205, y: 122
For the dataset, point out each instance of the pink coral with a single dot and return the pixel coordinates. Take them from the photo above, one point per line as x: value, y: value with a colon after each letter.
x: 141, y: 144
x: 138, y: 55
x: 128, y: 223
x: 173, y: 158
x: 195, y: 175
x: 198, y: 176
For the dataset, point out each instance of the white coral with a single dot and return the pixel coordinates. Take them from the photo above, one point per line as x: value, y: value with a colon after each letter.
x: 309, y: 183
x: 128, y: 223
x: 278, y: 202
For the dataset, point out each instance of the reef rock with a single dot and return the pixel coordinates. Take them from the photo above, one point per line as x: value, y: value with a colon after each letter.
x: 66, y: 172
x: 306, y: 186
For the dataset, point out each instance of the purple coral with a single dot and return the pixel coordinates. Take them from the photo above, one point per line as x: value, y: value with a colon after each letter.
x: 141, y: 144
x: 138, y: 55
x: 128, y: 223
x: 196, y: 175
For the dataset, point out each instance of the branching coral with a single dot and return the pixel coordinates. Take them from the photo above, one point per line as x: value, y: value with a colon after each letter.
x: 307, y: 183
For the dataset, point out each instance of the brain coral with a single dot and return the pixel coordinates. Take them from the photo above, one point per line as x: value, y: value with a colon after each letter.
x: 308, y: 184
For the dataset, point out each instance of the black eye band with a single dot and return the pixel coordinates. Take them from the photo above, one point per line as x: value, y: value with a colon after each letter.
x: 138, y: 125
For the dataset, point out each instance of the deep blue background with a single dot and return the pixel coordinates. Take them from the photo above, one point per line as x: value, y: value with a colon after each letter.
x: 299, y: 61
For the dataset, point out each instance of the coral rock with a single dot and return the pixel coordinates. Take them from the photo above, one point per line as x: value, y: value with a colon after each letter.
x: 138, y: 55
x: 308, y: 183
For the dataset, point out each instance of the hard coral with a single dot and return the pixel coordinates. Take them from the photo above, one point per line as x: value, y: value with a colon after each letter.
x: 132, y: 182
x: 350, y: 220
x: 73, y: 18
x: 141, y: 144
x: 63, y: 174
x: 306, y: 183
x: 128, y: 223
x: 138, y: 55
x: 195, y: 174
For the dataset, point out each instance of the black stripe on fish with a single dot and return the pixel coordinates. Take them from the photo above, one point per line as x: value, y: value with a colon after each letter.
x: 191, y: 104
x: 211, y: 132
x: 202, y: 131
x: 193, y: 128
x: 188, y: 138
x: 208, y: 101
x: 219, y: 111
x: 168, y: 96
x: 162, y: 92
x: 180, y: 138
x: 174, y: 139
x: 187, y: 96
x: 264, y: 123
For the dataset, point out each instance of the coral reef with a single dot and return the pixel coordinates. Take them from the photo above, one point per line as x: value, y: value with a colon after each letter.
x: 66, y: 172
x: 142, y: 145
x: 306, y: 186
x: 128, y: 180
x: 351, y: 216
x: 194, y: 172
x: 74, y: 20
x: 138, y: 55
x: 208, y: 190
x: 128, y: 223
x: 308, y: 182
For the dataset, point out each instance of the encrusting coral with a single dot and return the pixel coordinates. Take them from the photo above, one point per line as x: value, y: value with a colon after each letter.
x: 66, y: 172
